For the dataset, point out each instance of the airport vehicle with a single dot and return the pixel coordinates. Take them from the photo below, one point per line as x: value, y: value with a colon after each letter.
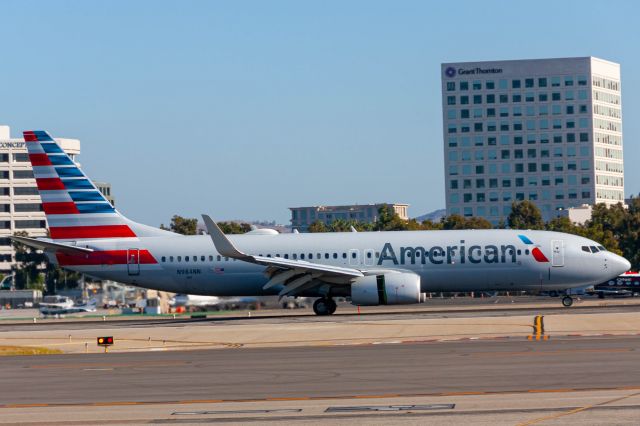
x: 88, y: 235
x: 627, y: 284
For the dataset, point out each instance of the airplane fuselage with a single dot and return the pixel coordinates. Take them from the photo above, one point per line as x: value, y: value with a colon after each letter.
x: 449, y: 261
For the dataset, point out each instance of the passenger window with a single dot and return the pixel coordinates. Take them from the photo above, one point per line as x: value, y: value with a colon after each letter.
x: 318, y: 256
x: 195, y: 258
x: 519, y: 252
x: 219, y: 258
x: 202, y: 258
x: 210, y: 258
x: 170, y: 258
x: 335, y: 255
x: 310, y: 256
x: 302, y: 256
x: 326, y: 255
x: 526, y: 251
x: 277, y: 255
x: 269, y: 255
x: 186, y: 258
x: 294, y: 256
x: 164, y: 259
x: 286, y: 256
x: 226, y: 259
x: 344, y: 255
x: 368, y: 255
x: 377, y: 254
x: 585, y: 248
x: 354, y: 255
x: 179, y: 258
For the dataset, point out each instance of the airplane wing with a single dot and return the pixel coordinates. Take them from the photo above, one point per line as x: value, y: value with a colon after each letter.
x: 296, y: 275
x: 51, y: 246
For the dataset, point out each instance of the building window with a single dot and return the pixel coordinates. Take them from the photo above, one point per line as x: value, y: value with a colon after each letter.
x: 451, y: 86
x: 27, y: 207
x: 515, y: 84
x: 28, y: 190
x: 26, y: 224
x: 21, y: 157
x: 23, y: 174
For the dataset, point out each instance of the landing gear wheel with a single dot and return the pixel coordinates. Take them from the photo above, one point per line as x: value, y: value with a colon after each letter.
x: 567, y: 301
x: 332, y: 306
x: 324, y: 306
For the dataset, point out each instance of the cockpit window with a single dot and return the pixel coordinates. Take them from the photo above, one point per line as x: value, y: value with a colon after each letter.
x: 585, y: 248
x: 602, y: 248
x: 594, y: 249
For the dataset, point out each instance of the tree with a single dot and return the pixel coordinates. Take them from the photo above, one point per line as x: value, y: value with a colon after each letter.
x: 476, y: 222
x: 388, y: 220
x: 525, y: 215
x: 318, y: 226
x: 234, y: 227
x: 454, y: 221
x: 181, y: 225
x: 28, y: 270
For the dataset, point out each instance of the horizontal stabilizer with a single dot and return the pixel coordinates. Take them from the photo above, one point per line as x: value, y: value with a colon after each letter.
x: 51, y: 246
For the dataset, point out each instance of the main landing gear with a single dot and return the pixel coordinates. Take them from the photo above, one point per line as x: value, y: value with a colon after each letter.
x: 567, y: 301
x: 324, y: 306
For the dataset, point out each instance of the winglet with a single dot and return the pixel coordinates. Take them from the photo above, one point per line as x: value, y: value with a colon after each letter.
x: 222, y: 243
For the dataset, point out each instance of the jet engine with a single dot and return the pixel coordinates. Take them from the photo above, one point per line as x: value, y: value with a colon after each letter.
x: 390, y: 288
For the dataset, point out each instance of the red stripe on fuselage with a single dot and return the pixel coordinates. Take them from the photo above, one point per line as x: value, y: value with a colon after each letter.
x: 39, y: 160
x: 108, y: 257
x: 538, y: 255
x: 60, y: 208
x: 105, y: 231
x: 49, y: 184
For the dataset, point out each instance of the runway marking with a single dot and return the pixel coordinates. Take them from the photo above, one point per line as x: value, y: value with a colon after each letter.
x: 577, y: 410
x: 321, y: 398
x: 544, y: 353
x: 97, y: 369
x: 107, y: 365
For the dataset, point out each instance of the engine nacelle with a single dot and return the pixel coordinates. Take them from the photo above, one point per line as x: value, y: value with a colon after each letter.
x: 390, y: 288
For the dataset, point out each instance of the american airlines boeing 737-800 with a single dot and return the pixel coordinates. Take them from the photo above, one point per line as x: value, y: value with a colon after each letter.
x: 88, y: 235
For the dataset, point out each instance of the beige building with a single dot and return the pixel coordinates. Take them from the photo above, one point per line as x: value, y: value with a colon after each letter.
x: 20, y: 204
x: 302, y: 217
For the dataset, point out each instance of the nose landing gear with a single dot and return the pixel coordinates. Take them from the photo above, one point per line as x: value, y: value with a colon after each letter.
x: 324, y: 306
x: 567, y: 301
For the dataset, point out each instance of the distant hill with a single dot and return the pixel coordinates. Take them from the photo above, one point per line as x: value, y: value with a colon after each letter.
x: 433, y: 216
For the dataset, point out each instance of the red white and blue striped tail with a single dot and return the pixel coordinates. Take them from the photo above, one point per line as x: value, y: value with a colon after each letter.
x: 74, y: 207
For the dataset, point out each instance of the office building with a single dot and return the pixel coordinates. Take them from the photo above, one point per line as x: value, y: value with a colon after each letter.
x: 20, y: 204
x: 545, y: 130
x: 302, y: 217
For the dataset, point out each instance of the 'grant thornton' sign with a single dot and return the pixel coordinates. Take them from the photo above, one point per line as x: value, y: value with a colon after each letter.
x: 451, y: 71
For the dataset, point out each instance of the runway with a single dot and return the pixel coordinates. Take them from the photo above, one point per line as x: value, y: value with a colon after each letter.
x: 141, y: 386
x: 249, y: 374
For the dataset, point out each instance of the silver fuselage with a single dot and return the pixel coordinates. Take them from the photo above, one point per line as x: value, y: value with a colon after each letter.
x: 447, y: 261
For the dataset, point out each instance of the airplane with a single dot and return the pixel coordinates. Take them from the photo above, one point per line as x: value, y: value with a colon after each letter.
x: 88, y: 235
x: 198, y: 301
x: 64, y: 308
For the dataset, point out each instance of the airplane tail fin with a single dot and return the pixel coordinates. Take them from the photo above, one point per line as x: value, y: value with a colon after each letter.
x: 74, y: 207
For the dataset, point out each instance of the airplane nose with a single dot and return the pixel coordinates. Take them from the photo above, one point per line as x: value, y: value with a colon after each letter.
x: 619, y: 264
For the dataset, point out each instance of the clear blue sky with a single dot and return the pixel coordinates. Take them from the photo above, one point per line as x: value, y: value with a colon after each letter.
x: 243, y: 108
